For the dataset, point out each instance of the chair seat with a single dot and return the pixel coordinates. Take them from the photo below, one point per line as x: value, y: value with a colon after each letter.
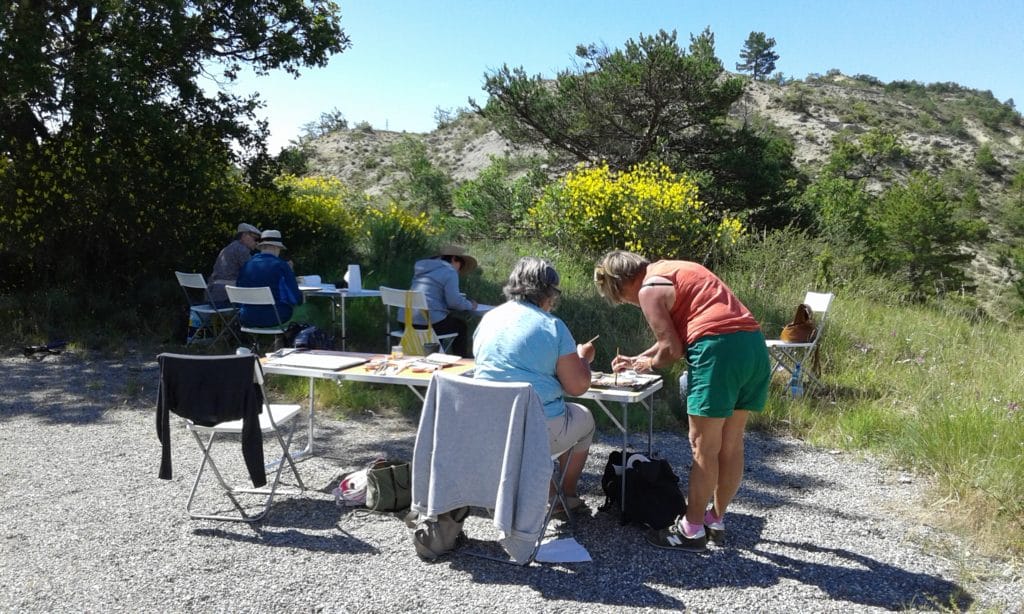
x: 778, y: 343
x: 281, y: 414
x: 210, y: 310
x: 267, y: 330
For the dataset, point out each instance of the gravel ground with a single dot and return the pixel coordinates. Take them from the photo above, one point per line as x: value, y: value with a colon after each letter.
x: 87, y: 526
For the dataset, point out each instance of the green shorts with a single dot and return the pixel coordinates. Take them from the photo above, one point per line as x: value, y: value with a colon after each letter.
x: 728, y: 372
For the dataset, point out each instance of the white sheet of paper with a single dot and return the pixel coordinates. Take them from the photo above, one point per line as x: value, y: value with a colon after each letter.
x: 565, y: 550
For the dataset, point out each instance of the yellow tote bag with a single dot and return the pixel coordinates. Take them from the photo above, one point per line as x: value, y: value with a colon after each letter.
x: 413, y: 339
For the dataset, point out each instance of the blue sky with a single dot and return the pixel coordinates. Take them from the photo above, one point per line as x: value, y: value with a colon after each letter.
x: 410, y: 57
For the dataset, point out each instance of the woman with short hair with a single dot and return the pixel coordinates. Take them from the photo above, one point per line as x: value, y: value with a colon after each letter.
x: 521, y: 341
x: 695, y: 316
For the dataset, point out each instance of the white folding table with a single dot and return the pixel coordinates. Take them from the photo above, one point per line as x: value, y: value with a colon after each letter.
x: 339, y: 295
x: 642, y: 394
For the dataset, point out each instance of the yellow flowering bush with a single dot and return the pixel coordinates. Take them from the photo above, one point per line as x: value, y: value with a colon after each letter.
x: 321, y: 201
x: 648, y: 209
x: 397, y: 219
x: 395, y: 237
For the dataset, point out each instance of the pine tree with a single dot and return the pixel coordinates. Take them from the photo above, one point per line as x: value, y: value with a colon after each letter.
x: 758, y: 56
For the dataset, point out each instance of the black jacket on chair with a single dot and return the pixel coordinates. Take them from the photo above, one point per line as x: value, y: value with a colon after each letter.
x: 209, y: 390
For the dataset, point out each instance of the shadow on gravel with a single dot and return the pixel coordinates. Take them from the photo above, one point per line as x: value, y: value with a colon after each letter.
x: 297, y: 523
x: 750, y: 561
x: 863, y: 580
x: 338, y: 542
x: 80, y: 396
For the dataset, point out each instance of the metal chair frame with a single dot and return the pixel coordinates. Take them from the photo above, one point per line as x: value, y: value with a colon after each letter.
x: 207, y: 310
x: 272, y: 418
x: 395, y: 298
x: 256, y: 296
x: 789, y: 355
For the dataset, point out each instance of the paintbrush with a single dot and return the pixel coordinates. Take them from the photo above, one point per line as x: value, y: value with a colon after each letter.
x: 616, y: 373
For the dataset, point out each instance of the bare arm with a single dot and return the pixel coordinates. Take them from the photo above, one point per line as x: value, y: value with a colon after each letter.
x: 656, y: 303
x: 573, y: 371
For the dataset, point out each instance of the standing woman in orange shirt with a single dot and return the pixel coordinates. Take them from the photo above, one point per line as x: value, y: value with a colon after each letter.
x: 695, y: 316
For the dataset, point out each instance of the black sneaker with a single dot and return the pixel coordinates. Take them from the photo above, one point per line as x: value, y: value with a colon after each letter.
x: 673, y: 538
x: 715, y: 530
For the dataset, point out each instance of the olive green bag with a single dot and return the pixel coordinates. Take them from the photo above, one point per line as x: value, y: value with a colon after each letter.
x: 388, y: 486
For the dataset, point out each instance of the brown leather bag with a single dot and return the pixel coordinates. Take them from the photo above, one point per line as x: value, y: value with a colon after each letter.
x: 801, y: 329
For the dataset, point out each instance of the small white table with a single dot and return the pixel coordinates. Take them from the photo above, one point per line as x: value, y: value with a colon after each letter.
x: 338, y: 295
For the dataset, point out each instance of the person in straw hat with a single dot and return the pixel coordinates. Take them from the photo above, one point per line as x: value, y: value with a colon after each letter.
x: 438, y: 279
x: 229, y: 262
x: 267, y: 268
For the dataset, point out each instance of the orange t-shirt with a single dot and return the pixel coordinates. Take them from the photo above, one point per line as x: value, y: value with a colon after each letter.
x: 704, y: 304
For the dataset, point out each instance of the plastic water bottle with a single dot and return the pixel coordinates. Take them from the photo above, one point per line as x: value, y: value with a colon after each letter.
x: 796, y: 384
x: 684, y: 387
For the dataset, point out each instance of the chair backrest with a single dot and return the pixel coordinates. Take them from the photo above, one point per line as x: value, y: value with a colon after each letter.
x: 505, y: 466
x: 256, y: 296
x: 250, y: 296
x: 193, y: 286
x: 393, y: 297
x: 819, y: 303
x: 191, y: 280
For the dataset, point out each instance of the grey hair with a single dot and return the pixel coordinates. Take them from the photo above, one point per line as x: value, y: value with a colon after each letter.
x: 533, y: 280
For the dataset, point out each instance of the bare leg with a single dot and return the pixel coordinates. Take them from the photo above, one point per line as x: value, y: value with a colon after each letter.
x: 730, y: 460
x: 706, y: 442
x: 572, y: 464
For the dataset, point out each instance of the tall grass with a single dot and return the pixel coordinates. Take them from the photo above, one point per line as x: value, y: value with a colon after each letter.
x: 935, y: 388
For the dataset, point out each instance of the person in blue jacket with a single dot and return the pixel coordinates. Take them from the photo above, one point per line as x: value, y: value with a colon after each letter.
x: 267, y: 268
x: 438, y: 279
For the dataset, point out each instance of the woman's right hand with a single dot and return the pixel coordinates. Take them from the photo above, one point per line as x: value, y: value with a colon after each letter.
x: 622, y: 363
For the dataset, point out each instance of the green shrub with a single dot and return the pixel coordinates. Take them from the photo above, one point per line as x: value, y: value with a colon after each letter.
x: 918, y: 234
x: 423, y: 187
x: 496, y: 202
x: 986, y: 161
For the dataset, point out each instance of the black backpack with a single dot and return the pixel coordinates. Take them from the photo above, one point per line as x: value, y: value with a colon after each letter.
x: 308, y: 337
x: 653, y: 497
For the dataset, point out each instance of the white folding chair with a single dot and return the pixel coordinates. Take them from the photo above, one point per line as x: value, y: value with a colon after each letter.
x: 789, y: 355
x: 485, y: 444
x: 218, y: 396
x: 394, y: 298
x: 218, y: 320
x: 255, y: 297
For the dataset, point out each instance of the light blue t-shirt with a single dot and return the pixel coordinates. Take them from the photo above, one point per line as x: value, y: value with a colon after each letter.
x: 520, y: 342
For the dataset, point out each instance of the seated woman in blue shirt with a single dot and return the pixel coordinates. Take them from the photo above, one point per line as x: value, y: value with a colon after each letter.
x: 521, y: 341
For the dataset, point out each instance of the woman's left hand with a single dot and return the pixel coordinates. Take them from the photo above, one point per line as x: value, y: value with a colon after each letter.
x: 643, y: 364
x: 586, y: 352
